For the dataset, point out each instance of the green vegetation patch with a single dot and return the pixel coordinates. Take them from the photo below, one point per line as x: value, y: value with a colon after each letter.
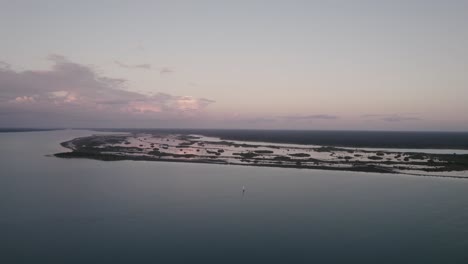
x: 246, y: 155
x: 299, y: 155
x: 329, y: 149
x: 418, y: 156
x: 264, y: 151
x: 282, y: 158
x: 165, y: 154
x: 186, y: 144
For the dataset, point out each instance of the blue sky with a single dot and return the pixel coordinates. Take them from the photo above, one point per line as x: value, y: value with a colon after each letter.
x: 393, y: 65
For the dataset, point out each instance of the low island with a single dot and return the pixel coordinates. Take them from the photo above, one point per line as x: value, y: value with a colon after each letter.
x: 200, y: 149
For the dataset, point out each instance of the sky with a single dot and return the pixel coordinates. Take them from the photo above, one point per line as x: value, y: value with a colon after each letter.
x: 322, y: 65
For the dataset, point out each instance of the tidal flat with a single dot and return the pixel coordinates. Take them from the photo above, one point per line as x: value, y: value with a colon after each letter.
x: 172, y: 147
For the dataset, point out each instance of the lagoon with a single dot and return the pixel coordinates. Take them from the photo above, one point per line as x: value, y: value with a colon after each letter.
x: 86, y: 211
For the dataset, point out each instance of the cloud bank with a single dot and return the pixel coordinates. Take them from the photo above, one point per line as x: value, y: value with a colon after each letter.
x: 77, y: 91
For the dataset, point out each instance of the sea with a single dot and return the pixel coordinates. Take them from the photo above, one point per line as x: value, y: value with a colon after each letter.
x: 86, y: 211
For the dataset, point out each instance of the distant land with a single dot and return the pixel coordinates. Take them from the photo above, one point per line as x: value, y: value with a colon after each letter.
x: 335, y: 138
x: 9, y: 130
x: 358, y: 139
x: 177, y: 147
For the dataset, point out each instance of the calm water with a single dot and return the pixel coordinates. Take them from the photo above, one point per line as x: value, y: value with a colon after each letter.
x: 85, y: 211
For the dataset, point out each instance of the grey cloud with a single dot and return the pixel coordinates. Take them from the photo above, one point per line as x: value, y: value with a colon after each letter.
x: 4, y: 65
x: 56, y: 58
x: 400, y: 119
x: 372, y: 115
x: 393, y: 117
x: 144, y: 66
x: 165, y: 70
x: 311, y: 117
x: 260, y: 120
x: 206, y: 101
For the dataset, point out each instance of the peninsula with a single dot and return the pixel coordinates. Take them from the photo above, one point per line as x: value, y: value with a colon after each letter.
x: 202, y: 149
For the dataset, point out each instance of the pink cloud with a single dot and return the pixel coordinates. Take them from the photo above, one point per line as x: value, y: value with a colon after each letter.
x: 24, y: 99
x: 73, y: 89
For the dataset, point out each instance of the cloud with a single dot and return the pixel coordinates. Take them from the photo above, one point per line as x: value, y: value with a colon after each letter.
x: 311, y: 117
x: 4, y: 65
x: 74, y: 90
x: 57, y: 58
x: 165, y: 70
x: 24, y: 99
x: 144, y: 66
x: 393, y: 117
x: 260, y: 120
x: 372, y: 115
x: 400, y: 119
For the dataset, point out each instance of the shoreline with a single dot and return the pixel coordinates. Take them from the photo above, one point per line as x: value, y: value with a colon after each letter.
x: 196, y: 149
x: 69, y: 155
